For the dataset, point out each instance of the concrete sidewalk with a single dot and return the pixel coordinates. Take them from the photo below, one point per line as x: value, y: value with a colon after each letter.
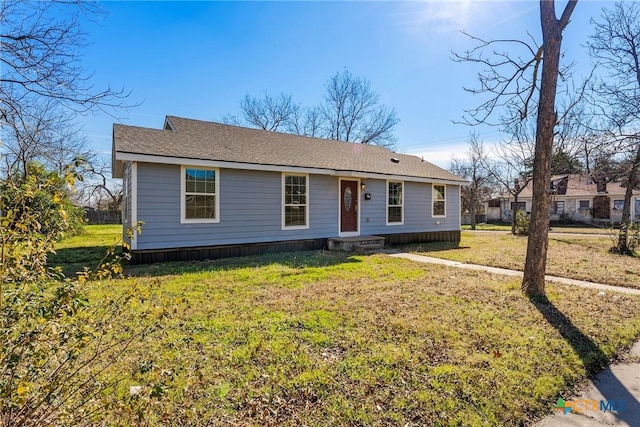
x: 514, y: 273
x: 618, y: 384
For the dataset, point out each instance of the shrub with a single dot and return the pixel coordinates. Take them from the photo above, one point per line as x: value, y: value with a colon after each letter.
x: 522, y: 223
x: 57, y: 349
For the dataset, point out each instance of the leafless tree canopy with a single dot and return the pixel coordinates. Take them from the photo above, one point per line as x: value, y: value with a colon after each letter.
x: 40, y: 42
x: 351, y: 111
x: 268, y: 113
x: 615, y: 46
x: 473, y: 167
x: 43, y: 133
x: 98, y: 189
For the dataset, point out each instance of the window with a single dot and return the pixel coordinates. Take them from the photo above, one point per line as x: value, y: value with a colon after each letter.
x: 295, y: 212
x: 584, y: 204
x: 200, y: 195
x: 618, y: 205
x: 522, y: 206
x: 394, y: 202
x: 557, y: 207
x: 439, y: 201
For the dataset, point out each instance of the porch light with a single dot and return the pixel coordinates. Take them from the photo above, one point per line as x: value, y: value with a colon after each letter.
x: 363, y: 186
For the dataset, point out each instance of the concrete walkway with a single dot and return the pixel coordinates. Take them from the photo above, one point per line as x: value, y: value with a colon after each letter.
x: 514, y: 273
x: 618, y: 385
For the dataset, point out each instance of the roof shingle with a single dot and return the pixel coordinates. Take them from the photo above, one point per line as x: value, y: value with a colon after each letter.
x: 201, y: 140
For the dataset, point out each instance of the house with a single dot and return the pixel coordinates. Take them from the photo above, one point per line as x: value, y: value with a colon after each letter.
x: 573, y: 198
x: 209, y: 190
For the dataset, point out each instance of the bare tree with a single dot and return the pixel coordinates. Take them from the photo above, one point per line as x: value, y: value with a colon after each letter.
x: 615, y: 45
x: 538, y: 242
x: 511, y: 165
x: 472, y: 168
x: 512, y: 82
x: 352, y: 112
x: 268, y: 113
x: 41, y: 132
x: 39, y: 53
x: 306, y: 121
x: 98, y: 189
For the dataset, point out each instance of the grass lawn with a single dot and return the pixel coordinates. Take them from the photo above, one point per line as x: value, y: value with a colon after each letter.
x: 577, y: 257
x: 85, y: 249
x: 574, y: 229
x: 320, y: 338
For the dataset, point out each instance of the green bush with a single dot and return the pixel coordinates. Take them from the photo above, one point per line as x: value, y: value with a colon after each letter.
x: 522, y: 223
x: 56, y: 346
x: 44, y: 194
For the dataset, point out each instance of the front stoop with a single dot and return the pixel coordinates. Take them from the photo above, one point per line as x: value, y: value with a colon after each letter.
x: 360, y: 244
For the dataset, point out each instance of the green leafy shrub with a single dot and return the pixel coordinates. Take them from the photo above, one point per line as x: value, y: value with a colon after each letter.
x: 522, y: 223
x: 57, y: 347
x: 44, y: 194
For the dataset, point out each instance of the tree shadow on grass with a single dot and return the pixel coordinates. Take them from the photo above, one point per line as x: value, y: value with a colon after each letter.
x: 298, y: 259
x: 73, y: 260
x: 593, y: 359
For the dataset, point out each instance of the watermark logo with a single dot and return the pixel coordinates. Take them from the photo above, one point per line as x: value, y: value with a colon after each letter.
x: 562, y: 406
x: 583, y: 405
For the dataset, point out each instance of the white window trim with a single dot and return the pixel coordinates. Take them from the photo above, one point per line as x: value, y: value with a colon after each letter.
x: 401, y: 204
x: 282, y: 195
x: 183, y: 196
x: 433, y: 200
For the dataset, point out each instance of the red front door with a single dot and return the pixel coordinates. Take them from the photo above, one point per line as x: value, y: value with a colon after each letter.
x: 348, y: 206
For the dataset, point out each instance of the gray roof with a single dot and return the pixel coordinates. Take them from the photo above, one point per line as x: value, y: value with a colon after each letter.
x: 200, y: 140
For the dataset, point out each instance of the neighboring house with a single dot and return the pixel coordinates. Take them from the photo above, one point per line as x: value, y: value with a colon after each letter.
x: 573, y: 198
x: 208, y: 190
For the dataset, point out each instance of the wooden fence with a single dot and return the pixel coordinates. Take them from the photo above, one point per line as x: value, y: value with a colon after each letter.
x: 102, y: 217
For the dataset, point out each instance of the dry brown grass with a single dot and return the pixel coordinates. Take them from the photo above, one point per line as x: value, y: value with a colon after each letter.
x: 573, y: 256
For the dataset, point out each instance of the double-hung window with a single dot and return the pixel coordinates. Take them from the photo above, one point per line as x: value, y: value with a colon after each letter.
x: 557, y: 207
x: 295, y: 201
x: 394, y: 202
x: 439, y: 201
x: 200, y: 201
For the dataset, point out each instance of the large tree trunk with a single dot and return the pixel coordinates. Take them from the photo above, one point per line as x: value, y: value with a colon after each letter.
x: 538, y: 242
x: 623, y: 236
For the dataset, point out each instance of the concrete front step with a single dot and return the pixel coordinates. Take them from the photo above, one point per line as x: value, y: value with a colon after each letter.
x: 369, y: 247
x: 358, y: 243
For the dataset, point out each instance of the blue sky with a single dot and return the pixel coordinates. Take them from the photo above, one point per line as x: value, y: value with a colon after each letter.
x: 198, y: 59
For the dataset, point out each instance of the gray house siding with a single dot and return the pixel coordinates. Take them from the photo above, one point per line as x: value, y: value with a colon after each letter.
x: 251, y: 209
x: 417, y: 209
